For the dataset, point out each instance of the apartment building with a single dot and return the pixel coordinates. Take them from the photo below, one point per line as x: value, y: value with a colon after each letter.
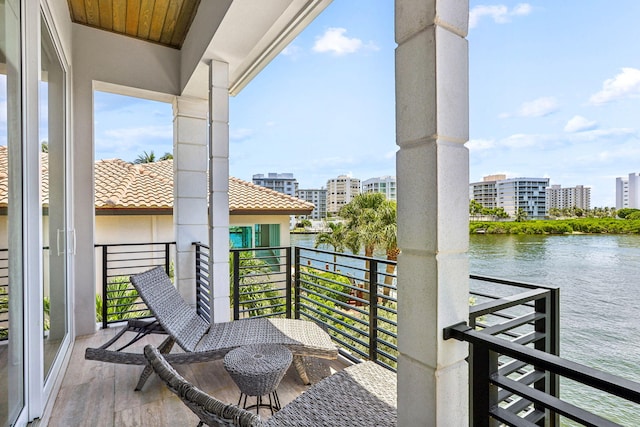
x: 319, y: 199
x: 282, y: 182
x: 628, y: 192
x: 568, y: 197
x: 529, y: 194
x: 384, y: 184
x: 340, y: 191
x: 485, y: 191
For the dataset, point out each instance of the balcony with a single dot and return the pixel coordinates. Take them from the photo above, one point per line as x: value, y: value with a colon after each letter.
x: 515, y: 371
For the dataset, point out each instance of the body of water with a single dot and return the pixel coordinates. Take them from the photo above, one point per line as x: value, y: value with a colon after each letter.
x: 599, y: 280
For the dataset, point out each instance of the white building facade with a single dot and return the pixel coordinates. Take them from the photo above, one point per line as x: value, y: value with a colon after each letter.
x: 281, y: 182
x: 528, y: 194
x: 385, y: 185
x: 568, y: 197
x: 340, y: 191
x: 628, y: 192
x: 485, y: 191
x: 319, y: 199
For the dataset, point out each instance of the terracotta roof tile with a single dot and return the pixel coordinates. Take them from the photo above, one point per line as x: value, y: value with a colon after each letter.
x: 123, y: 185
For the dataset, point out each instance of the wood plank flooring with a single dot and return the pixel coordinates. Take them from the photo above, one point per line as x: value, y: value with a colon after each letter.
x: 102, y: 394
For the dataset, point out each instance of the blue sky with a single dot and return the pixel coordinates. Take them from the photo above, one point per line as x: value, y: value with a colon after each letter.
x: 554, y: 92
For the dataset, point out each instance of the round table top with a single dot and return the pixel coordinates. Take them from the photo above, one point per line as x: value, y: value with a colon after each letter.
x: 254, y: 359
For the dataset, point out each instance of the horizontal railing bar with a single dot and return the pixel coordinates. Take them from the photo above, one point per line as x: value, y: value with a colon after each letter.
x: 512, y: 283
x: 507, y: 302
x: 561, y: 407
x: 514, y: 323
x: 604, y: 381
x: 360, y: 257
x: 527, y: 379
x: 510, y: 419
x: 513, y: 366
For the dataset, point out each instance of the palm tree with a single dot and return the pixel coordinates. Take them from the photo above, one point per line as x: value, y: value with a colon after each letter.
x: 372, y: 223
x: 336, y: 238
x: 145, y: 157
x: 166, y: 156
x: 521, y: 215
x: 361, y: 215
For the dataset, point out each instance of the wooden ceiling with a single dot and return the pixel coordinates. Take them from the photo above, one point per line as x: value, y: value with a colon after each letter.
x: 160, y: 21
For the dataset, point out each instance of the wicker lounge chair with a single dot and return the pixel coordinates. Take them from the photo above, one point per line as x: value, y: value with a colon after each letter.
x: 360, y: 395
x: 202, y: 341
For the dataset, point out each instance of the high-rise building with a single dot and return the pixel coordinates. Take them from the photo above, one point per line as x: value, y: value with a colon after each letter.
x: 384, y: 184
x: 485, y: 192
x: 529, y: 194
x: 568, y: 197
x: 340, y: 191
x: 628, y: 192
x: 319, y: 198
x: 282, y: 182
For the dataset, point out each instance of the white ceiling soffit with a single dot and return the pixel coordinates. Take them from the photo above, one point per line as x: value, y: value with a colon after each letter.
x: 251, y: 34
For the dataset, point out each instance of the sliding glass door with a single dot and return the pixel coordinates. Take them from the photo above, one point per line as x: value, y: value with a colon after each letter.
x: 52, y: 107
x: 12, y: 326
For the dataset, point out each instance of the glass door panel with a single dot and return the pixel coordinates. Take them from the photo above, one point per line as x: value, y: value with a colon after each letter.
x: 52, y: 139
x: 12, y: 372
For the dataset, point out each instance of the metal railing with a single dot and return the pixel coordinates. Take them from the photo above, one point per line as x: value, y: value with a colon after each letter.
x: 530, y: 405
x: 4, y: 294
x: 203, y: 292
x: 119, y: 300
x: 334, y: 290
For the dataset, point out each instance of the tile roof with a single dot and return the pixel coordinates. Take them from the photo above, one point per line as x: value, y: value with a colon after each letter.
x: 123, y: 185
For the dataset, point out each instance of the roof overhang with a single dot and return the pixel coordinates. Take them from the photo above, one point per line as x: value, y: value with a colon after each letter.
x: 250, y: 34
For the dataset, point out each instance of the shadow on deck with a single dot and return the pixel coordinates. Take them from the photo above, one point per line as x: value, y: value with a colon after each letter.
x: 102, y: 394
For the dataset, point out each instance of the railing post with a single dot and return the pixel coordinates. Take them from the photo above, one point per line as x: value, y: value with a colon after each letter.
x: 288, y: 281
x: 166, y: 259
x: 236, y: 285
x: 105, y: 294
x: 296, y: 293
x: 553, y: 318
x: 483, y: 394
x: 373, y: 310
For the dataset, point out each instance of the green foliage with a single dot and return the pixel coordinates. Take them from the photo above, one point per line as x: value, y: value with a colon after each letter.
x: 123, y: 300
x: 257, y: 290
x: 579, y: 225
x: 625, y: 212
x: 4, y: 308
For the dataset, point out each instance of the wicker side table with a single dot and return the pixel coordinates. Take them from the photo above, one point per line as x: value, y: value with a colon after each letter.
x: 257, y: 370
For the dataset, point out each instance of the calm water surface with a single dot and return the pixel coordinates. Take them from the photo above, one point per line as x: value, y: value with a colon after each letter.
x: 599, y: 280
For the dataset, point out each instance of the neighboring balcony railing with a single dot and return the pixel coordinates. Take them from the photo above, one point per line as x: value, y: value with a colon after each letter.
x: 499, y: 398
x: 119, y: 300
x: 4, y: 294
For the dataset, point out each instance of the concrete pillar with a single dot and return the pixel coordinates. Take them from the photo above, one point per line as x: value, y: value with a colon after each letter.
x: 219, y: 188
x: 432, y: 116
x: 190, y: 188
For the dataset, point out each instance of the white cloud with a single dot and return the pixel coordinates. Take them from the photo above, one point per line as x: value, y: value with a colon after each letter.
x: 499, y: 13
x: 292, y: 50
x: 538, y: 107
x: 624, y: 85
x: 579, y: 124
x: 521, y: 140
x: 480, y: 144
x: 335, y: 41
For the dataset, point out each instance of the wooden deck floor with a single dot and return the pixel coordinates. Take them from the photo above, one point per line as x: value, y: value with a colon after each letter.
x: 102, y: 394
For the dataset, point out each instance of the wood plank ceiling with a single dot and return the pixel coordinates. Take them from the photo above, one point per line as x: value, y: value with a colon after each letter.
x: 165, y: 22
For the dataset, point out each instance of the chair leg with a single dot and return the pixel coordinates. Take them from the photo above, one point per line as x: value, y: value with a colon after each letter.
x: 298, y: 362
x: 164, y: 348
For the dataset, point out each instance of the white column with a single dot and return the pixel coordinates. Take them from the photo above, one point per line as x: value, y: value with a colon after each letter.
x: 219, y: 188
x: 433, y: 178
x: 190, y: 188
